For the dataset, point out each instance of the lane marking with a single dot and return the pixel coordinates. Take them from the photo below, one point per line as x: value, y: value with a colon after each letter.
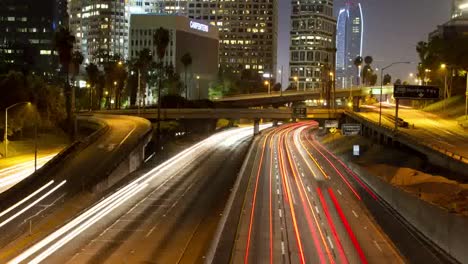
x: 377, y: 245
x: 339, y: 192
x: 316, y: 209
x: 280, y: 213
x: 283, y: 250
x: 330, y: 242
x: 355, y: 214
x: 308, y: 188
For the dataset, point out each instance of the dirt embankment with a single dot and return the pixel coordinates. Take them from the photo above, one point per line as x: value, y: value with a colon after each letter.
x: 405, y: 169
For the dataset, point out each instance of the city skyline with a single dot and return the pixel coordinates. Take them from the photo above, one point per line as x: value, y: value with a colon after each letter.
x: 416, y: 20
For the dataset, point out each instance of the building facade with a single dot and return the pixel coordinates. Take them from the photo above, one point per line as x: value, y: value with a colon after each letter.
x: 247, y: 28
x: 100, y: 28
x: 349, y: 42
x: 313, y: 45
x: 27, y: 31
x: 197, y: 38
x: 459, y: 8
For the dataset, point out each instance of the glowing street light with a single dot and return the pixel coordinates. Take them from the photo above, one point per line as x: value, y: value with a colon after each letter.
x: 296, y: 79
x: 267, y: 83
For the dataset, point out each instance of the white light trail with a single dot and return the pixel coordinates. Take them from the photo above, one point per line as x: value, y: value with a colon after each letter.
x: 25, y: 199
x: 32, y: 204
x: 107, y: 205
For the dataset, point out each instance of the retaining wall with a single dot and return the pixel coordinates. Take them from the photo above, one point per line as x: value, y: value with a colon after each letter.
x: 447, y: 230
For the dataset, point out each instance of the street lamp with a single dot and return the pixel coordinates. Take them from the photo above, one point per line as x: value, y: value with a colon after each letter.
x: 296, y: 79
x: 5, y: 134
x: 267, y: 83
x: 381, y: 86
x: 198, y: 86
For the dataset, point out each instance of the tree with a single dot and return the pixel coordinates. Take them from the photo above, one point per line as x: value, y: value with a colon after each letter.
x: 143, y: 63
x: 161, y: 41
x: 358, y: 63
x: 398, y: 82
x: 93, y: 78
x: 387, y: 79
x: 186, y: 61
x: 367, y: 70
x: 63, y: 42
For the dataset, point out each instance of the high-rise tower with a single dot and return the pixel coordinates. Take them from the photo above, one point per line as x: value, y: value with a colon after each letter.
x: 312, y: 45
x: 349, y: 42
x: 459, y: 8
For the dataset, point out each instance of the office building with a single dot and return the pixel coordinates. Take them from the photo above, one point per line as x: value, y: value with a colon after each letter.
x: 197, y: 38
x: 247, y: 29
x: 100, y: 28
x: 349, y: 43
x: 459, y: 8
x: 27, y: 31
x: 312, y: 47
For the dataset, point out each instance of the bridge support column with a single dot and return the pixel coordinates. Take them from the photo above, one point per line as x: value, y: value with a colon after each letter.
x: 256, y: 127
x: 275, y: 123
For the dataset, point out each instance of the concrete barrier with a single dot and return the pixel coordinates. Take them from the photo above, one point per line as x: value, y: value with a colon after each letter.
x: 127, y: 164
x: 447, y: 230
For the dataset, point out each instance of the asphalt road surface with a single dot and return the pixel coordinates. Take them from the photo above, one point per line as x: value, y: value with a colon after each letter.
x: 38, y: 205
x: 428, y: 128
x: 303, y: 205
x: 168, y: 214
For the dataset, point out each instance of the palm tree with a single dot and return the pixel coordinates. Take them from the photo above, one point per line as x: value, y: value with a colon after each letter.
x: 358, y: 62
x: 63, y: 42
x: 367, y: 70
x: 93, y: 78
x: 161, y: 41
x: 186, y: 61
x: 143, y: 63
x: 77, y: 60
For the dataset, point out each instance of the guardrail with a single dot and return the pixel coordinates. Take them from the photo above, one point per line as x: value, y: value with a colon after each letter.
x: 406, y: 136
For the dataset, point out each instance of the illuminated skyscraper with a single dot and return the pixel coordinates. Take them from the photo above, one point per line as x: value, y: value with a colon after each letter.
x: 312, y: 44
x: 349, y: 42
x: 247, y: 28
x: 459, y: 8
x: 100, y: 28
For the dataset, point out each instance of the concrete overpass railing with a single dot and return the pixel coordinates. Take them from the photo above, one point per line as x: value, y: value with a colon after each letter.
x: 434, y: 153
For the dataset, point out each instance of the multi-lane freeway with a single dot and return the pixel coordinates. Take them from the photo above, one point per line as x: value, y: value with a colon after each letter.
x: 168, y: 214
x: 303, y: 205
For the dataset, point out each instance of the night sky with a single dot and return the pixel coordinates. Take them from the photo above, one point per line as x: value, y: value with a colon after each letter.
x: 392, y: 29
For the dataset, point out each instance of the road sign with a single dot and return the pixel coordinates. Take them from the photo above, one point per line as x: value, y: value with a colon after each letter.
x: 331, y: 123
x: 350, y: 129
x: 300, y: 112
x: 333, y: 130
x: 356, y: 150
x: 415, y: 92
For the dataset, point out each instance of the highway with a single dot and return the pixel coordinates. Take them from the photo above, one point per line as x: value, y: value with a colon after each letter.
x: 40, y: 203
x: 428, y: 127
x: 303, y: 205
x: 168, y: 214
x: 11, y: 175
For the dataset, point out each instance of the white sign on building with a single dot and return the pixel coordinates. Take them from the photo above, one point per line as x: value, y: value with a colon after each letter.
x: 198, y: 26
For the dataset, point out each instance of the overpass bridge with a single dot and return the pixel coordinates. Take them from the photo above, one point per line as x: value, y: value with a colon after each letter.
x: 227, y: 113
x: 258, y: 99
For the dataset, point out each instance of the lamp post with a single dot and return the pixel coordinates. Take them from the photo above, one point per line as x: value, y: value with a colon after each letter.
x: 381, y: 86
x: 281, y: 74
x: 5, y: 134
x: 198, y: 86
x: 267, y: 83
x: 296, y: 79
